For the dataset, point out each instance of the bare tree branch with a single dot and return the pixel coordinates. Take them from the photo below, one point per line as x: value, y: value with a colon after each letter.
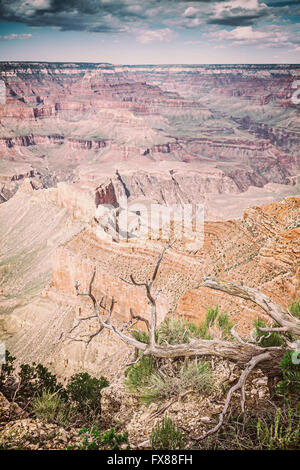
x: 279, y: 329
x: 80, y: 320
x: 139, y: 318
x: 279, y: 314
x: 236, y: 335
x: 239, y: 385
x: 151, y: 298
x: 260, y: 340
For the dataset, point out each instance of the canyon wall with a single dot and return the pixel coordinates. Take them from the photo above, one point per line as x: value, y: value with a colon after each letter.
x: 262, y: 249
x: 162, y: 129
x: 74, y: 137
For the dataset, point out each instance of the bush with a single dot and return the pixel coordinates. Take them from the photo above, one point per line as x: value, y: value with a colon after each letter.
x: 281, y: 434
x: 37, y: 387
x: 85, y: 391
x: 166, y: 435
x: 51, y: 408
x: 221, y: 321
x: 273, y: 339
x: 138, y: 374
x: 172, y: 330
x: 145, y: 378
x: 175, y: 331
x: 211, y: 315
x: 92, y: 439
x: 156, y: 386
x: 197, y: 375
x: 225, y: 325
x: 141, y: 336
x: 112, y: 440
x: 7, y: 369
x: 36, y: 379
x: 275, y: 427
x: 290, y: 385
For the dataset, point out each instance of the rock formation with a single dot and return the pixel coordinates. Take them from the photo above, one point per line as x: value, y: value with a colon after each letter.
x: 163, y: 129
x: 77, y: 137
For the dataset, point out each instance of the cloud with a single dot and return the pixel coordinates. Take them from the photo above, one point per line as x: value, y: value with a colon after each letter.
x: 118, y: 16
x: 279, y: 3
x: 239, y: 13
x: 241, y: 20
x: 9, y: 37
x: 162, y: 35
x: 270, y: 36
x: 242, y: 34
x: 190, y: 12
x: 231, y: 13
x: 76, y: 15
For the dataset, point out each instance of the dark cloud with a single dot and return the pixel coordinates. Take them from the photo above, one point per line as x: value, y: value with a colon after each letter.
x: 116, y: 16
x: 85, y: 15
x: 95, y: 7
x: 280, y: 3
x: 242, y: 20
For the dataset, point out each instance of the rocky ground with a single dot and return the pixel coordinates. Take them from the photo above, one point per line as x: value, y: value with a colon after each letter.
x: 122, y: 411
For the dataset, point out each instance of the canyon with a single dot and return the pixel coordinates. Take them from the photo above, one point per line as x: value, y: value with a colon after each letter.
x: 223, y: 130
x: 75, y: 137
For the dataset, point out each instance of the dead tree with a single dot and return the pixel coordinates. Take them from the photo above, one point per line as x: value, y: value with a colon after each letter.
x: 246, y: 354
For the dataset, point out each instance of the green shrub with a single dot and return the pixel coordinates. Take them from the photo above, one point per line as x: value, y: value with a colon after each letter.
x: 51, y: 408
x: 221, y: 321
x: 112, y: 440
x: 290, y: 385
x: 85, y: 392
x: 281, y: 434
x: 204, y: 331
x: 138, y: 374
x: 141, y: 336
x: 166, y: 435
x: 211, y: 315
x: 294, y: 309
x: 273, y: 339
x: 145, y: 379
x: 93, y: 439
x: 225, y: 325
x: 8, y: 368
x: 270, y: 427
x: 197, y: 375
x: 36, y: 379
x: 37, y: 387
x: 175, y: 331
x: 172, y: 330
x: 190, y: 376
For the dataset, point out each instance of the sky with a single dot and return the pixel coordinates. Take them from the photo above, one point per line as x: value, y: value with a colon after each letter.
x: 151, y: 31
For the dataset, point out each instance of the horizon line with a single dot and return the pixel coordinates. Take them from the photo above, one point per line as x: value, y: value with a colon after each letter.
x: 145, y: 64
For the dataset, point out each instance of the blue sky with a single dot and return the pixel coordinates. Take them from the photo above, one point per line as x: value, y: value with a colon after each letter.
x: 151, y: 31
